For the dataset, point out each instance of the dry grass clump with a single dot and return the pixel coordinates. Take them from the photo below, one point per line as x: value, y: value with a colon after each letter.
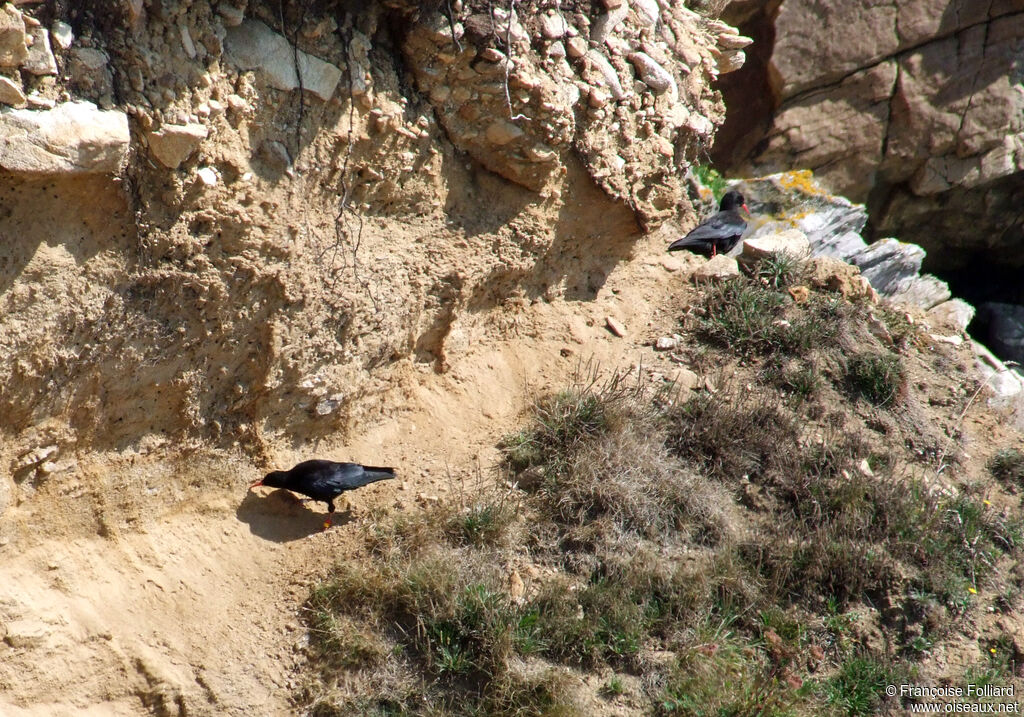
x: 722, y: 553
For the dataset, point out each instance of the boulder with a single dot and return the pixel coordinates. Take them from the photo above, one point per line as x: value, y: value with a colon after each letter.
x: 788, y: 242
x: 40, y: 60
x: 788, y: 200
x: 923, y: 292
x: 888, y: 262
x: 1005, y: 383
x: 717, y: 268
x: 956, y: 313
x: 252, y: 45
x: 90, y: 74
x: 72, y: 138
x: 173, y: 144
x: 831, y: 274
x: 11, y: 93
x: 913, y: 106
x: 13, y: 45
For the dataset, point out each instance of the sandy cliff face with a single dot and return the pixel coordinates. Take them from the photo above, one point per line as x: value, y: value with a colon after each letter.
x: 270, y: 258
x: 914, y: 107
x: 209, y: 261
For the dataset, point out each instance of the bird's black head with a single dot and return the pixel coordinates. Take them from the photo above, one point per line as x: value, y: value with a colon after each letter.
x: 731, y: 200
x: 276, y: 479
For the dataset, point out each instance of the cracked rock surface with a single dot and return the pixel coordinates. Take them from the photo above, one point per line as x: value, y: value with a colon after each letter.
x: 922, y: 116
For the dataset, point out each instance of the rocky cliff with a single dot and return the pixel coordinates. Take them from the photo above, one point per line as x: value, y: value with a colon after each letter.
x: 914, y: 107
x: 241, y: 222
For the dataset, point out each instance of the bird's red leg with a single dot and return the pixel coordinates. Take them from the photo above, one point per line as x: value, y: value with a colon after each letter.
x: 714, y: 250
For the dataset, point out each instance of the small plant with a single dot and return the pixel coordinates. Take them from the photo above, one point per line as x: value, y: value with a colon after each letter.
x: 742, y: 316
x: 750, y: 316
x: 711, y: 179
x: 1008, y: 466
x: 800, y: 381
x: 480, y: 524
x: 778, y: 270
x: 859, y: 686
x: 876, y: 377
x: 614, y: 686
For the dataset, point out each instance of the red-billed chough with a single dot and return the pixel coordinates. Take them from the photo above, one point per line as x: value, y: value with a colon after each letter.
x: 325, y: 480
x: 719, y: 232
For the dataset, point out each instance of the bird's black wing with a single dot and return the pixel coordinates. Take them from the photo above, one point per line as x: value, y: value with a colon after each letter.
x: 719, y: 226
x: 348, y: 476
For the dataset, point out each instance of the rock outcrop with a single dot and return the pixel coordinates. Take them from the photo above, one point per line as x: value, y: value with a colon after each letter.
x: 921, y: 116
x: 832, y: 225
x: 795, y: 203
x: 72, y: 138
x: 312, y: 204
x: 627, y: 89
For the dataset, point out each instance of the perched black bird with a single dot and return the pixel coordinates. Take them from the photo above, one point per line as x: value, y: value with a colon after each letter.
x: 325, y: 480
x: 719, y: 232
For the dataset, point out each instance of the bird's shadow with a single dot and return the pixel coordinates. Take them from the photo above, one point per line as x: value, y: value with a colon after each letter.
x: 282, y: 517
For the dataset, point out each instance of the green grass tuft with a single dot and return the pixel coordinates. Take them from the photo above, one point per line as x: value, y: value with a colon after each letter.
x: 877, y: 377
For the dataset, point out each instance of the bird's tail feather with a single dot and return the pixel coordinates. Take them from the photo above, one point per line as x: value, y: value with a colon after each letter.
x: 376, y: 473
x: 684, y: 242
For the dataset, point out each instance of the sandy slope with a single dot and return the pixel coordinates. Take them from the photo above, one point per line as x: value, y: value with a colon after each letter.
x: 153, y: 583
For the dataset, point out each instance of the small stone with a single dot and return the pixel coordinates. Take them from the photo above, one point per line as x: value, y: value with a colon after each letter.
x: 951, y: 340
x: 231, y: 16
x: 800, y: 294
x: 502, y: 132
x: 647, y: 11
x: 611, y: 77
x: 89, y: 71
x: 553, y: 27
x: 236, y: 103
x: 491, y: 54
x: 653, y: 75
x: 72, y: 138
x: 216, y: 108
x: 729, y: 41
x: 576, y: 47
x: 255, y: 46
x: 615, y: 326
x: 62, y: 34
x: 40, y: 57
x: 275, y: 154
x: 208, y: 176
x: 556, y: 50
x: 186, y: 38
x: 598, y: 98
x: 13, y: 42
x: 38, y: 102
x: 173, y: 144
x: 717, y: 268
x: 730, y: 61
x: 687, y: 379
x: 955, y: 312
x: 790, y: 242
x: 865, y: 468
x: 665, y: 343
x: 11, y: 92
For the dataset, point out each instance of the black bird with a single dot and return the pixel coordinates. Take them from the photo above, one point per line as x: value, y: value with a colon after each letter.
x: 719, y: 232
x: 325, y: 480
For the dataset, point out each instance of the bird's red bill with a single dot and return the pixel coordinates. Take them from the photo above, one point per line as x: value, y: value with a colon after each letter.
x: 259, y: 482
